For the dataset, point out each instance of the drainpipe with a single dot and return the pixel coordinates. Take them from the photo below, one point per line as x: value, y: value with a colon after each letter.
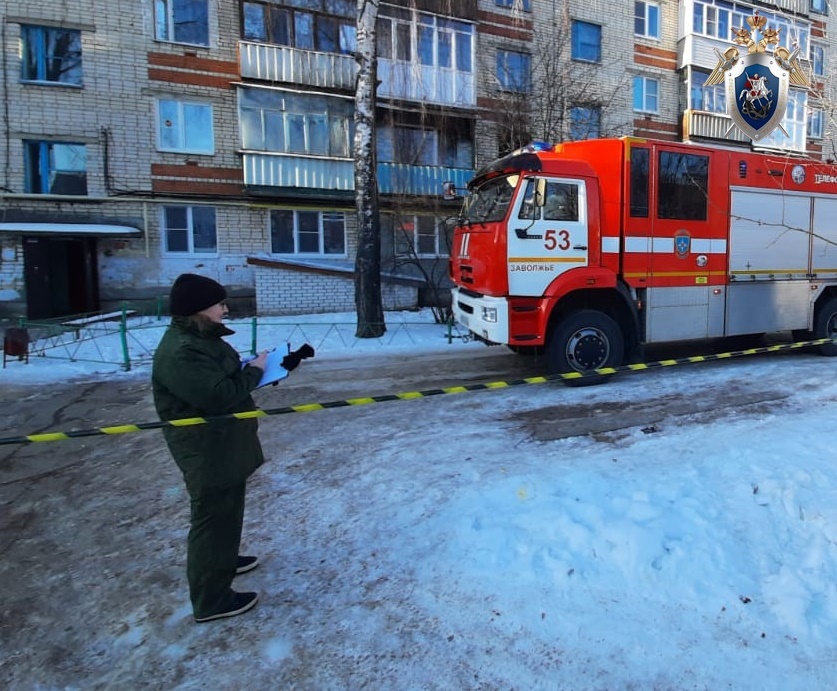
x: 7, y: 126
x: 145, y: 229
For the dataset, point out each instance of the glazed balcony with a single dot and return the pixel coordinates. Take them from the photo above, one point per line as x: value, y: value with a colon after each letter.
x: 398, y: 80
x: 286, y: 170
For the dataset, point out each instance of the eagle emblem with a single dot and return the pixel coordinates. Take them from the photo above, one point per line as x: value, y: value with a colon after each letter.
x: 757, y: 82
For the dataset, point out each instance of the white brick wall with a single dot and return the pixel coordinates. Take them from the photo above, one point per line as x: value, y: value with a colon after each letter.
x: 291, y: 291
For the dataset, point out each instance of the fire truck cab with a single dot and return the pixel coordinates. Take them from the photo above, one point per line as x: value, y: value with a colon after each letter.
x: 587, y: 250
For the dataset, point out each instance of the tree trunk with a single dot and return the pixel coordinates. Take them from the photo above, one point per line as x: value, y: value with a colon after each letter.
x: 370, y: 311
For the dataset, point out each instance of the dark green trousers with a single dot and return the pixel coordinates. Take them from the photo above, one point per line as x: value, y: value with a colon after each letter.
x: 212, y: 557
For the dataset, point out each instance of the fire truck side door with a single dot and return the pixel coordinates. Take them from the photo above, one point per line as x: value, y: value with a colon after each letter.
x: 547, y: 236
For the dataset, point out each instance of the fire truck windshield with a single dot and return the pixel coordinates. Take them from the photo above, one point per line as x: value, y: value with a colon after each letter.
x: 489, y: 202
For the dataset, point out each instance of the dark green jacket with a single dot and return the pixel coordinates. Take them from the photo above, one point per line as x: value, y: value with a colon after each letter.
x: 198, y: 374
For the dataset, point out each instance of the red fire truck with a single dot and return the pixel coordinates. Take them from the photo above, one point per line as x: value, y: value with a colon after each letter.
x: 587, y: 250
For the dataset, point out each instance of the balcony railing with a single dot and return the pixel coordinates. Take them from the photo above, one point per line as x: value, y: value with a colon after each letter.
x: 283, y: 170
x: 699, y: 123
x: 398, y: 79
x: 285, y: 64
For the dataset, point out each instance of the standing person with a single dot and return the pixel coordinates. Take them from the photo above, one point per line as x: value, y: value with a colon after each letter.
x: 198, y: 374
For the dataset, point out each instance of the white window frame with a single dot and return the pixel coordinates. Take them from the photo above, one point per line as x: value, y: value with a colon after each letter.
x: 182, y: 125
x: 815, y: 124
x: 321, y: 218
x: 650, y: 10
x: 817, y: 59
x: 515, y: 5
x: 164, y: 26
x: 794, y: 122
x: 643, y: 82
x: 399, y: 239
x: 190, y: 232
x: 718, y: 20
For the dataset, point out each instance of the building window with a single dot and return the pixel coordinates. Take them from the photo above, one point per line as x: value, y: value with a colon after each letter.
x: 647, y: 19
x: 328, y: 27
x: 182, y: 21
x: 718, y: 18
x: 820, y: 6
x: 818, y: 59
x: 794, y: 123
x: 185, y: 127
x: 307, y: 232
x: 525, y: 5
x: 712, y: 99
x: 417, y: 235
x: 189, y: 229
x: 646, y: 95
x: 55, y: 168
x: 513, y: 70
x: 410, y: 145
x: 815, y: 124
x: 286, y: 122
x: 50, y: 55
x: 585, y: 122
x: 586, y: 42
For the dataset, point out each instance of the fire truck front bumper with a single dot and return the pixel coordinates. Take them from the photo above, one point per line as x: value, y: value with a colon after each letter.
x: 484, y: 316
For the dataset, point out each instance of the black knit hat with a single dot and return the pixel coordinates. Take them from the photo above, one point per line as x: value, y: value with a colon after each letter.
x: 192, y: 293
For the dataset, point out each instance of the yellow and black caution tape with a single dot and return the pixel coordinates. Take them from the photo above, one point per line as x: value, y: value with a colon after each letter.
x: 406, y: 396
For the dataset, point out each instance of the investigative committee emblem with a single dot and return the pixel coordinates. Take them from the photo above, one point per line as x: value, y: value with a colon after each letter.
x: 757, y: 83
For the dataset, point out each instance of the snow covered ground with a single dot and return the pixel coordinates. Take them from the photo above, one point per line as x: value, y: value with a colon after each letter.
x: 436, y: 544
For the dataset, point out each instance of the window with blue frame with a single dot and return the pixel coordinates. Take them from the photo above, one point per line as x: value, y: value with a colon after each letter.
x: 307, y: 232
x: 647, y: 19
x: 50, y: 55
x: 513, y: 70
x: 55, y: 167
x: 189, y: 229
x: 646, y: 95
x: 820, y: 6
x: 182, y: 21
x: 586, y: 41
x: 585, y: 122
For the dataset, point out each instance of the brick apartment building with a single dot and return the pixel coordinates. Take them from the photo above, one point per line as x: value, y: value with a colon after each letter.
x: 143, y: 139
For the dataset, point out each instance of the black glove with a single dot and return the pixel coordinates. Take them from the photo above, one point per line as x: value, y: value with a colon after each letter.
x: 291, y: 361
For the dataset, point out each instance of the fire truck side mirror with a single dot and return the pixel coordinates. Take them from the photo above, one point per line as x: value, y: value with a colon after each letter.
x: 448, y: 190
x: 540, y: 192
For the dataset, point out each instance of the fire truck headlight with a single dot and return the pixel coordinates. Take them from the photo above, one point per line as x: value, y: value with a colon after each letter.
x: 489, y: 314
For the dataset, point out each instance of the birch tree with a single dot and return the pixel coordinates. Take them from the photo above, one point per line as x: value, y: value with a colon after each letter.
x: 368, y: 301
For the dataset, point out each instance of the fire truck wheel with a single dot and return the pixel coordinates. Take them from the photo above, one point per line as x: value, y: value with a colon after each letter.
x: 584, y: 341
x: 826, y: 326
